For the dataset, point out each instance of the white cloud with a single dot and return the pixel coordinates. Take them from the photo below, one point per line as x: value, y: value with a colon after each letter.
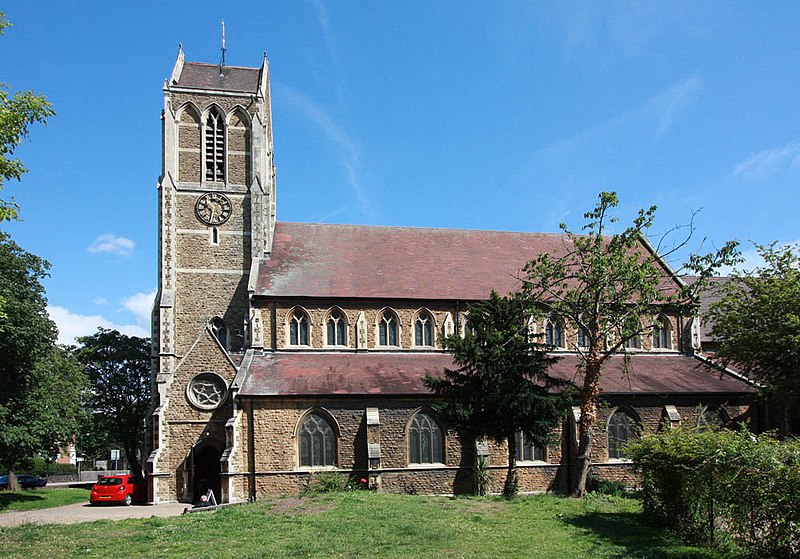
x: 767, y: 162
x: 100, y: 301
x: 141, y: 305
x: 659, y: 112
x: 670, y: 104
x: 72, y: 325
x: 112, y: 244
x: 324, y: 23
x: 350, y: 151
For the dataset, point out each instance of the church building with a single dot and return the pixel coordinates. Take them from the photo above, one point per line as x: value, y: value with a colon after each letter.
x: 284, y: 349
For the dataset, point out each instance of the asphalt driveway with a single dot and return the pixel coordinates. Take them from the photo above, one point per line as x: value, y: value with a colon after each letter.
x: 83, y: 512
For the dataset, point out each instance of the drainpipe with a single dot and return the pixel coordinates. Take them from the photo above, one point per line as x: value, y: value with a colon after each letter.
x: 251, y: 451
x: 274, y: 319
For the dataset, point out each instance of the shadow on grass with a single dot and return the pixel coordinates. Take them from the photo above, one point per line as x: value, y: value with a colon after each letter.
x: 8, y: 498
x: 628, y: 530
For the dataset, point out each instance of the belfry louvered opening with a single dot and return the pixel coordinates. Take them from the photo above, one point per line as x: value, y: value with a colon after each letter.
x: 215, y: 147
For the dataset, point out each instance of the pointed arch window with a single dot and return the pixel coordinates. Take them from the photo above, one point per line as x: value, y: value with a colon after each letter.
x: 425, y: 440
x: 423, y: 330
x: 554, y: 333
x: 317, y: 442
x: 634, y: 341
x: 711, y: 418
x: 215, y: 147
x: 220, y: 331
x: 387, y: 329
x: 622, y: 428
x: 336, y: 329
x: 527, y: 450
x: 583, y: 339
x: 466, y: 326
x: 298, y: 328
x: 662, y: 338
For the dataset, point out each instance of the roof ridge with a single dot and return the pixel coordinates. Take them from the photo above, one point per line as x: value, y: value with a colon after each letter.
x: 226, y: 66
x: 422, y: 228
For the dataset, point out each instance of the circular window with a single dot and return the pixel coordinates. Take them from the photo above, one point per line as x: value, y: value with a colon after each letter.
x: 207, y: 391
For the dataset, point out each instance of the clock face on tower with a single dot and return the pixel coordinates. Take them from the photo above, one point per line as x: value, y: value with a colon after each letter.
x: 213, y: 208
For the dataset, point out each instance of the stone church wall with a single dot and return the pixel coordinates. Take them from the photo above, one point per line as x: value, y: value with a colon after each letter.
x: 274, y: 439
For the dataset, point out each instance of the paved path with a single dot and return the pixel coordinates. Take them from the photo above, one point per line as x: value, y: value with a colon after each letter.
x: 83, y: 512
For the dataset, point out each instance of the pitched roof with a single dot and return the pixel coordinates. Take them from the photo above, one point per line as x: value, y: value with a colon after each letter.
x: 711, y: 293
x: 196, y: 75
x: 360, y: 261
x: 400, y: 374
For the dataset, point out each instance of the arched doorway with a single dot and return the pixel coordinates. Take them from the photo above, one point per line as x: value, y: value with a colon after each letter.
x: 206, y: 472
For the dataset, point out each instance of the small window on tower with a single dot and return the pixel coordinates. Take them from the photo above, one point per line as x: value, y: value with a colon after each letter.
x: 220, y: 331
x: 215, y: 147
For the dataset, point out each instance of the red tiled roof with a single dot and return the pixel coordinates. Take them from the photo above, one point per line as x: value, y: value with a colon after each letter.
x: 358, y: 261
x: 711, y: 293
x: 196, y: 75
x: 400, y: 374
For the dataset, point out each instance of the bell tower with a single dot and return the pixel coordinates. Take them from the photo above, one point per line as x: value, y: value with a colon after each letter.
x: 216, y: 221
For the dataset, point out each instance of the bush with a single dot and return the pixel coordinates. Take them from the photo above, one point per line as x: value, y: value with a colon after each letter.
x: 330, y: 482
x: 482, y: 475
x: 723, y: 487
x: 43, y: 468
x: 605, y: 487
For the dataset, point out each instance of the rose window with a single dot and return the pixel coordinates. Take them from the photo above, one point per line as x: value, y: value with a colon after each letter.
x: 207, y: 391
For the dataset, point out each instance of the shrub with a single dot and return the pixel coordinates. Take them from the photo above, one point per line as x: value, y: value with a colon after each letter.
x: 483, y: 476
x: 605, y: 487
x: 44, y: 468
x: 723, y: 486
x: 325, y: 482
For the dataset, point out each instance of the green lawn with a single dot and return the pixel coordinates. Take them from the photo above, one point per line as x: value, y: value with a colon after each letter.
x: 31, y: 499
x: 368, y: 525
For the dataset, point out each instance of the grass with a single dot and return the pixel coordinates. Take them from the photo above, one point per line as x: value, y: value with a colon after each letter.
x: 369, y: 525
x: 33, y: 499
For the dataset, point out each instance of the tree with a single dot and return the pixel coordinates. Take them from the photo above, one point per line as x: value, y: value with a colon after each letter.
x: 501, y: 385
x: 118, y: 371
x: 17, y: 113
x: 610, y: 286
x: 40, y: 398
x: 756, y: 324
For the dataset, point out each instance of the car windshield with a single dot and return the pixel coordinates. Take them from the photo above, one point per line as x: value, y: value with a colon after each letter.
x: 109, y: 481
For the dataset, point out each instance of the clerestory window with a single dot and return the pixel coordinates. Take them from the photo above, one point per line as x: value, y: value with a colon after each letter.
x: 583, y: 339
x: 337, y: 329
x: 423, y: 330
x: 298, y: 328
x: 554, y: 333
x: 661, y: 334
x: 387, y: 329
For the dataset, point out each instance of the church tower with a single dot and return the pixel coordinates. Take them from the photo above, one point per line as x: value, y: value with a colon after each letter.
x: 216, y: 220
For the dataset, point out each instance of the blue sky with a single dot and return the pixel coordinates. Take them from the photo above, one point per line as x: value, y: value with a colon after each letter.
x: 485, y: 115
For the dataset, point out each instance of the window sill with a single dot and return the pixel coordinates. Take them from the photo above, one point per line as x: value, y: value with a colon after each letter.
x: 314, y: 469
x: 431, y: 465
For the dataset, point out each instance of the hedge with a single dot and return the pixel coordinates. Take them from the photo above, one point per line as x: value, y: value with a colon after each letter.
x: 723, y: 487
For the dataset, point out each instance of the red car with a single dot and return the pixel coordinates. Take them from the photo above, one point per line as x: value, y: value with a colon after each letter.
x: 124, y: 489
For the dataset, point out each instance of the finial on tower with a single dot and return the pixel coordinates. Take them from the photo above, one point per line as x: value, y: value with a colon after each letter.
x: 222, y: 62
